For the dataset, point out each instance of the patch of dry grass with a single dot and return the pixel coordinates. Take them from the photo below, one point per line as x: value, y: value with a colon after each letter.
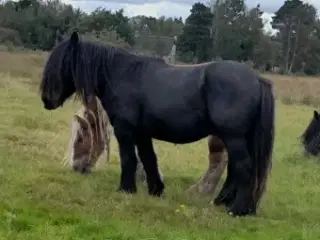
x: 27, y: 65
x: 294, y: 89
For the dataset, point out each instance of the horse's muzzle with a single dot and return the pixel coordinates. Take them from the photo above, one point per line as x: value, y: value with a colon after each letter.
x: 82, y: 168
x: 49, y: 105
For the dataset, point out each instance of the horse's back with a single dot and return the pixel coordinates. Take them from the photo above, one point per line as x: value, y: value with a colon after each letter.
x: 172, y: 86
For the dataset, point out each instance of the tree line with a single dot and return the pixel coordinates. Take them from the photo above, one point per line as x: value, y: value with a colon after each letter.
x: 229, y: 30
x: 37, y: 24
x: 223, y: 29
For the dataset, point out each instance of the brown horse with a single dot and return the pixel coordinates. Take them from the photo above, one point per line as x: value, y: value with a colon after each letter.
x: 91, y: 135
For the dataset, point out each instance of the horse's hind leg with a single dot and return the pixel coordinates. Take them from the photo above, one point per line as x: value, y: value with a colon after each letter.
x: 217, y: 163
x: 149, y: 161
x: 228, y: 190
x: 242, y: 173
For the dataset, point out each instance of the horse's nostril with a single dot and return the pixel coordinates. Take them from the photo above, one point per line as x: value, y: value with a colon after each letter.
x: 82, y: 168
x: 86, y: 169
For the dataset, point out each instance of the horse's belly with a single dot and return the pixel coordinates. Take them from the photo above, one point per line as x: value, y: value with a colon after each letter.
x: 176, y: 115
x: 179, y: 139
x: 179, y: 131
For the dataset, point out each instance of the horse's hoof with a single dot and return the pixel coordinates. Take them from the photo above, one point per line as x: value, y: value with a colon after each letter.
x: 156, y: 189
x: 226, y: 200
x: 129, y: 190
x: 234, y: 212
x: 218, y: 201
x: 237, y: 215
x: 156, y: 193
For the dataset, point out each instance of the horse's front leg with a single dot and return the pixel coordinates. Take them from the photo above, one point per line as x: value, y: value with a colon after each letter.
x: 149, y: 161
x: 128, y: 158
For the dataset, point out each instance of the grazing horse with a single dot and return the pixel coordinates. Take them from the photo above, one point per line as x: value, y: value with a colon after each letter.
x: 91, y: 137
x: 311, y: 136
x: 146, y: 98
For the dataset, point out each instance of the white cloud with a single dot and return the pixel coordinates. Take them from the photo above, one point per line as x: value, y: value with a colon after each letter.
x: 315, y: 3
x: 163, y: 8
x: 267, y: 19
x: 266, y: 5
x: 156, y: 9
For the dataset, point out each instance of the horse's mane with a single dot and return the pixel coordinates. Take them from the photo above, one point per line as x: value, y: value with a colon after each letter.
x: 89, y: 62
x: 52, y: 70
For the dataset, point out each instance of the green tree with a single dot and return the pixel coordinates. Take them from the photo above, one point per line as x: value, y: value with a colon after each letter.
x: 120, y: 24
x: 229, y: 30
x: 38, y: 22
x: 295, y: 21
x: 195, y: 37
x: 252, y: 34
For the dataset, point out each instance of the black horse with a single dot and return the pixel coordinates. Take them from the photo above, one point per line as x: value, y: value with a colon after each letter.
x: 311, y: 136
x: 146, y: 98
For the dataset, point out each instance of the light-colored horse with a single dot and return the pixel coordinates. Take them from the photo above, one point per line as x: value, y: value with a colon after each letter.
x: 91, y: 136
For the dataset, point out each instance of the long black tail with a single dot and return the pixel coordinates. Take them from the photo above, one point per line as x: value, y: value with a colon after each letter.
x: 262, y: 138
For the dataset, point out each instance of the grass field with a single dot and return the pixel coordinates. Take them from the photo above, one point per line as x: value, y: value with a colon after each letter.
x: 40, y: 199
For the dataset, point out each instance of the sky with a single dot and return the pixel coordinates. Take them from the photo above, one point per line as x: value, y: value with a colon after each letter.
x: 173, y: 8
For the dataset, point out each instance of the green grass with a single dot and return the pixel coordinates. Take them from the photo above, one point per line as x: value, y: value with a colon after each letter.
x: 40, y: 199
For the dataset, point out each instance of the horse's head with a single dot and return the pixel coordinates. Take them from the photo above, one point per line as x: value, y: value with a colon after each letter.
x: 57, y: 83
x: 311, y: 136
x: 91, y: 137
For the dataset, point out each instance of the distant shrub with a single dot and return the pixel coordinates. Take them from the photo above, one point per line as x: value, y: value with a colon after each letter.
x: 10, y: 46
x: 288, y: 100
x: 310, y: 101
x: 107, y: 37
x: 10, y: 35
x: 307, y: 100
x: 300, y: 74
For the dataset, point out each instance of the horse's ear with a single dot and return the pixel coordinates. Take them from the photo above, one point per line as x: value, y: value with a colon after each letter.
x: 74, y: 39
x: 81, y: 121
x: 315, y: 115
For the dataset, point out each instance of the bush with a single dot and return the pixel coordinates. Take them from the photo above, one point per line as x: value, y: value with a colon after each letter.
x: 107, y: 37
